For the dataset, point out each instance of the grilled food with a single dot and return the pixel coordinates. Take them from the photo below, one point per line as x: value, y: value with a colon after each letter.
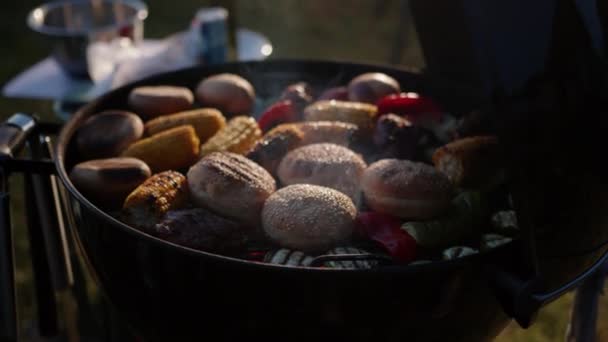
x: 308, y: 217
x: 152, y: 101
x: 231, y: 185
x: 371, y: 87
x: 472, y: 163
x: 396, y: 137
x: 238, y: 136
x: 202, y: 229
x: 172, y: 149
x: 360, y: 114
x: 108, y: 181
x: 108, y: 133
x: 406, y: 189
x: 461, y: 221
x: 150, y: 201
x: 270, y: 150
x: 334, y: 132
x: 231, y: 94
x: 327, y: 165
x: 205, y: 121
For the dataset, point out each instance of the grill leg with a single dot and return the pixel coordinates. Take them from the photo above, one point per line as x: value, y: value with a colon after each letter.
x: 583, y: 319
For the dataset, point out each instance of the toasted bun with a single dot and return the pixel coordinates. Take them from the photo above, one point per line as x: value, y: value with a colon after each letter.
x: 230, y: 185
x: 309, y: 218
x: 406, y: 189
x: 327, y: 165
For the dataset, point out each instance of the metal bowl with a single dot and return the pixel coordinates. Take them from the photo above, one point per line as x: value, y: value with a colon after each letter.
x: 73, y: 25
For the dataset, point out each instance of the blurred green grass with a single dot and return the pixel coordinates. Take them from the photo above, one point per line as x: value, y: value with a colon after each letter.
x: 358, y: 30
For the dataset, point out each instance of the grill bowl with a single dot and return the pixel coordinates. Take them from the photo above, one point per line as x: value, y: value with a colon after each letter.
x: 170, y: 292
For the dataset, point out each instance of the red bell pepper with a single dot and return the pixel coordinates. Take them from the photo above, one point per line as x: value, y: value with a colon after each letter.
x: 413, y: 106
x: 386, y: 231
x: 279, y: 113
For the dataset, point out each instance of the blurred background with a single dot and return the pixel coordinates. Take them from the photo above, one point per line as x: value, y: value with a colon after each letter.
x: 377, y: 31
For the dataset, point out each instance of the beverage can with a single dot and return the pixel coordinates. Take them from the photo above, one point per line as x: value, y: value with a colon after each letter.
x: 209, y: 33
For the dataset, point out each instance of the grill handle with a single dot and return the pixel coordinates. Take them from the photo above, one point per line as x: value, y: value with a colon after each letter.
x: 13, y: 134
x: 521, y: 298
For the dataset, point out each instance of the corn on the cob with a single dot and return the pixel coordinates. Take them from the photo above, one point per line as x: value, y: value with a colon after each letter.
x: 360, y: 114
x: 238, y: 136
x: 206, y: 122
x: 172, y: 149
x: 150, y: 201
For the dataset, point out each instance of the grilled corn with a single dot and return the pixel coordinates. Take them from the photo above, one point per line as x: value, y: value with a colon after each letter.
x: 206, y: 122
x: 360, y: 114
x: 238, y: 136
x: 150, y: 201
x: 172, y: 149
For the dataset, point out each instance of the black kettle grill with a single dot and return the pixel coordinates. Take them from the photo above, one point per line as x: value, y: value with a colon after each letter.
x: 169, y: 292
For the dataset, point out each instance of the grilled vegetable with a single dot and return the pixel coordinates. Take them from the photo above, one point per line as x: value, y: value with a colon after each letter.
x: 415, y: 107
x: 205, y: 121
x: 238, y: 136
x: 279, y: 113
x: 472, y: 163
x: 358, y: 113
x: 172, y: 149
x: 275, y: 144
x: 464, y: 216
x: 385, y: 231
x: 150, y: 201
